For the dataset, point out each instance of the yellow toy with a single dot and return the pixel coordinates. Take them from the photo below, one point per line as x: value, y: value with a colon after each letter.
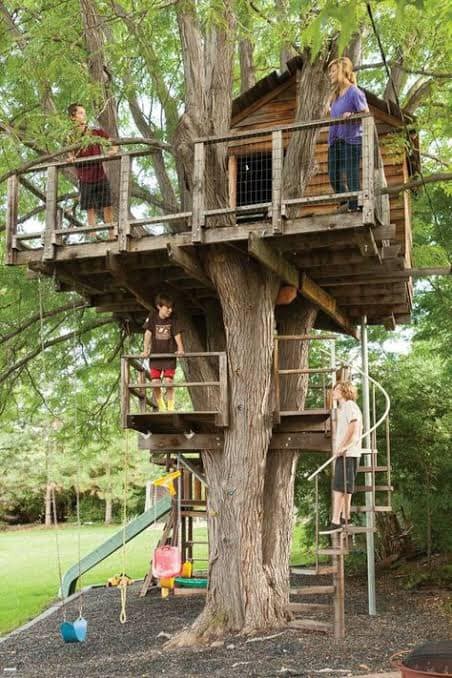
x: 168, y: 482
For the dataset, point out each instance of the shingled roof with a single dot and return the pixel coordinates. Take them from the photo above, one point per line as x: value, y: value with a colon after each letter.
x: 275, y: 79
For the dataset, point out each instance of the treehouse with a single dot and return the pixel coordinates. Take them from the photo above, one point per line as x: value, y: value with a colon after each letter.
x: 350, y: 264
x: 347, y: 251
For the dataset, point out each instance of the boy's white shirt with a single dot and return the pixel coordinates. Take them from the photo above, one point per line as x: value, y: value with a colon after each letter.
x: 347, y: 412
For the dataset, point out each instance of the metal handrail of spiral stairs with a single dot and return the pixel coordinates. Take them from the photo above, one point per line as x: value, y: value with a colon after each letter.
x: 365, y: 435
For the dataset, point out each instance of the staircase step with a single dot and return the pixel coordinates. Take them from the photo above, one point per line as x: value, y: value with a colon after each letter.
x: 309, y: 607
x: 312, y: 571
x: 366, y: 509
x: 332, y: 552
x: 369, y: 469
x: 311, y: 590
x: 378, y: 488
x: 311, y: 625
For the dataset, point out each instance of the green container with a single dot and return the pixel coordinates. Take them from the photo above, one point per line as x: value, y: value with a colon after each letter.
x: 191, y: 583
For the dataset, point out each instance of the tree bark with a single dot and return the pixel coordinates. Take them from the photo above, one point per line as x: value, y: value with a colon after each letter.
x: 48, y: 505
x: 241, y: 596
x: 108, y: 509
x: 312, y: 96
x: 247, y: 68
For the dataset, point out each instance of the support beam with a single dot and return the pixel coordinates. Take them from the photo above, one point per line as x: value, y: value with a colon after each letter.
x: 117, y: 270
x: 272, y: 259
x: 189, y: 262
x: 310, y: 290
x: 159, y: 442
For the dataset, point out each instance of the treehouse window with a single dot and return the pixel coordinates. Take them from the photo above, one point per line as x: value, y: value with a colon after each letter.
x: 254, y: 179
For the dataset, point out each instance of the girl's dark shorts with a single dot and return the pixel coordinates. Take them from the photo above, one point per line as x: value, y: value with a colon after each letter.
x: 351, y: 468
x: 95, y: 195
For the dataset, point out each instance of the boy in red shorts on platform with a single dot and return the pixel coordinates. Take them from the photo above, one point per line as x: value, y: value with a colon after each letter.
x: 163, y: 334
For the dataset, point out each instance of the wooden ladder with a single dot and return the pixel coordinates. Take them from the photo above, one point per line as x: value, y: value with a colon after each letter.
x: 334, y: 589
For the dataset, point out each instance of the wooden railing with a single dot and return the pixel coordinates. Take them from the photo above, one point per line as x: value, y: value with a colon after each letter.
x: 140, y: 386
x: 246, y: 184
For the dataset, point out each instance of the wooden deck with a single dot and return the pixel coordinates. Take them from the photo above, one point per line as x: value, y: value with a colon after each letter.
x: 350, y: 264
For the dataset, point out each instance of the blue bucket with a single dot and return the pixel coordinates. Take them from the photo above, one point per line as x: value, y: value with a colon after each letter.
x: 74, y: 632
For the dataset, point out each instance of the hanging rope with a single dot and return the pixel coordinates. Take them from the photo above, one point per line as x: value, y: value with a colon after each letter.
x: 123, y: 583
x: 53, y: 506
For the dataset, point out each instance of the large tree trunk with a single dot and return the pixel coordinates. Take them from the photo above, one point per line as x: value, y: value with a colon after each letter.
x: 241, y: 596
x: 249, y: 543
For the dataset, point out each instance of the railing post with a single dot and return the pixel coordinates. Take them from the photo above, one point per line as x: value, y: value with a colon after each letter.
x: 223, y: 401
x: 51, y: 213
x: 125, y: 393
x: 368, y: 167
x: 370, y: 515
x: 198, y: 207
x: 123, y: 209
x: 277, y: 163
x: 11, y: 219
x: 277, y: 410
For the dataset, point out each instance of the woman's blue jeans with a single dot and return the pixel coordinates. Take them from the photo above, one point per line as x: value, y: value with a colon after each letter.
x: 343, y: 169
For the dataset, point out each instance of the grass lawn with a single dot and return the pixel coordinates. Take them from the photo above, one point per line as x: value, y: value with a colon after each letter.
x: 28, y: 563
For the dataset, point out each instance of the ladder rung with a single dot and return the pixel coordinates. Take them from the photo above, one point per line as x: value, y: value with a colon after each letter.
x: 197, y: 542
x: 309, y: 607
x: 367, y: 509
x: 332, y: 552
x: 369, y: 469
x: 311, y: 625
x: 378, y: 488
x: 311, y: 590
x: 193, y: 514
x: 312, y: 571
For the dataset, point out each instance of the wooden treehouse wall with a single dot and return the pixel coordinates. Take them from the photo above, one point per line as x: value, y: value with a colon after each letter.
x: 278, y: 108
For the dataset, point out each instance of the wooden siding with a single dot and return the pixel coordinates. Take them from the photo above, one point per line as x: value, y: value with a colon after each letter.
x: 278, y: 108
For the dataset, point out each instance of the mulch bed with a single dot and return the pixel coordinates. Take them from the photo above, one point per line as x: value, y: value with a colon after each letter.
x: 405, y: 619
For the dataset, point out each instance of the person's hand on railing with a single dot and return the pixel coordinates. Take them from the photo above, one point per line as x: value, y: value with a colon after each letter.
x: 113, y: 150
x: 180, y: 352
x: 144, y: 354
x: 347, y: 114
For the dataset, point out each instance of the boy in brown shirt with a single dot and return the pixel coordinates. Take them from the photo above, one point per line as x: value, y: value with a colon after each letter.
x: 164, y: 335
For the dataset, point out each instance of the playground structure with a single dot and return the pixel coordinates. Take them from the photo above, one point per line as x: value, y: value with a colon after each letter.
x: 355, y: 267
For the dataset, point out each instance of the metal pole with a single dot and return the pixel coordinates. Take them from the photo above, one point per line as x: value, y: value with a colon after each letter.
x: 370, y: 515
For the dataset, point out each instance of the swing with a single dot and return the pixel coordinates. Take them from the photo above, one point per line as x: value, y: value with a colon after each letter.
x: 71, y: 632
x: 75, y: 631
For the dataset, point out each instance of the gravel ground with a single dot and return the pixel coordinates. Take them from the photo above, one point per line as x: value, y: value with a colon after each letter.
x: 136, y: 649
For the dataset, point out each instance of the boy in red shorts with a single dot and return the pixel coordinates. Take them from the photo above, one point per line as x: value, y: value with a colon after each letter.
x: 164, y: 335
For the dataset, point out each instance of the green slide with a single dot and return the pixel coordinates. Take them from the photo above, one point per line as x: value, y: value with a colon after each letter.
x: 134, y: 528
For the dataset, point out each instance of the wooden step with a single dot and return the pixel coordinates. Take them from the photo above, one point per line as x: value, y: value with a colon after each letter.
x: 311, y: 625
x: 358, y: 529
x: 309, y: 607
x: 312, y: 571
x: 332, y: 552
x: 378, y: 488
x: 370, y: 469
x: 366, y: 509
x: 311, y: 590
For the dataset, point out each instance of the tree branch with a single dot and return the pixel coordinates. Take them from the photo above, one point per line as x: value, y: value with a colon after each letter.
x: 37, y: 316
x: 428, y: 74
x: 52, y: 342
x: 416, y: 183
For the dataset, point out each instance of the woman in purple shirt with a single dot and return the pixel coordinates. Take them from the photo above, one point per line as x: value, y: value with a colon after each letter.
x: 345, y: 139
